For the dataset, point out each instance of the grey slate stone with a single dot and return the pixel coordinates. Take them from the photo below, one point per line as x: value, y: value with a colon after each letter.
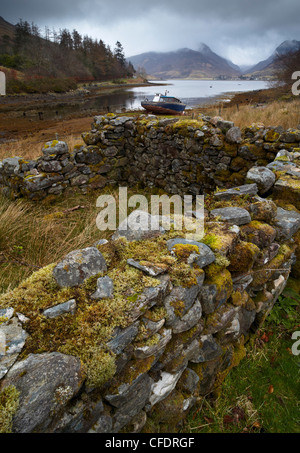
x: 11, y: 165
x: 105, y: 288
x: 138, y: 225
x: 189, y: 320
x: 134, y: 403
x: 189, y: 381
x: 61, y: 309
x: 235, y: 216
x: 78, y: 266
x: 122, y: 338
x: 207, y: 297
x: 12, y: 340
x: 46, y: 383
x: 210, y: 350
x: 147, y: 351
x: 287, y: 223
x: 187, y: 295
x: 150, y: 297
x: 246, y: 189
x: 151, y: 270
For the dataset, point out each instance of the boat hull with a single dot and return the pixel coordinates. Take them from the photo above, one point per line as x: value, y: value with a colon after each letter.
x: 163, y: 108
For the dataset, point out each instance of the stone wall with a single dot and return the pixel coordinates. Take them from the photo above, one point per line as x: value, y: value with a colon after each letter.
x: 177, y: 155
x: 128, y: 335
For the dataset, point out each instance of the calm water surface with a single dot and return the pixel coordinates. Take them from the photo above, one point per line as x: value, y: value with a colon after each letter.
x: 194, y: 92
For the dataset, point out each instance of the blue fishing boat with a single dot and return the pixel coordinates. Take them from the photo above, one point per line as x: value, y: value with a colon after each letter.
x: 163, y: 104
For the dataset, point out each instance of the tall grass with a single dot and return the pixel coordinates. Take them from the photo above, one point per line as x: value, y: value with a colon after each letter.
x: 31, y: 147
x: 285, y: 114
x: 34, y: 235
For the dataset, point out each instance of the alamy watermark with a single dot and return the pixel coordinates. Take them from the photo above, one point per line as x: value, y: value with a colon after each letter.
x: 180, y: 213
x: 296, y: 345
x: 296, y: 85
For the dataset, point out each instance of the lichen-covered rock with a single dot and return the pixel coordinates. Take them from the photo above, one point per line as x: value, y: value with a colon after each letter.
x: 204, y: 255
x: 263, y: 177
x: 162, y: 339
x: 55, y: 148
x: 234, y: 135
x: 263, y: 210
x: 149, y: 268
x: 189, y: 320
x: 105, y: 288
x: 79, y: 265
x: 46, y: 383
x: 12, y: 340
x: 287, y: 223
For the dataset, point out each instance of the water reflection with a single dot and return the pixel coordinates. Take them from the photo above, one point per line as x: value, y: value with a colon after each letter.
x: 192, y: 92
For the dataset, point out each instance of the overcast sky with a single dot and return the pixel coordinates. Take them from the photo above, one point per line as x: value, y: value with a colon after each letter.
x: 245, y: 31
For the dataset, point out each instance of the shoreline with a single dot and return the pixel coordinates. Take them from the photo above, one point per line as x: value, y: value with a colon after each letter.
x: 19, y: 119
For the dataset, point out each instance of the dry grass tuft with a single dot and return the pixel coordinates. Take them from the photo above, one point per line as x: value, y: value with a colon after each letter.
x: 285, y: 114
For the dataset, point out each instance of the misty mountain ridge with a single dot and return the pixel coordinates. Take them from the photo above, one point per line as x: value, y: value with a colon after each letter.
x: 204, y: 63
x: 266, y: 67
x: 185, y: 63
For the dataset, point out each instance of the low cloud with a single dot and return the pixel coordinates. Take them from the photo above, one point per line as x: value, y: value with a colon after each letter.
x: 243, y: 31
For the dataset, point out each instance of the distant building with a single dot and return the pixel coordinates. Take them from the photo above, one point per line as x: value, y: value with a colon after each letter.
x: 2, y: 84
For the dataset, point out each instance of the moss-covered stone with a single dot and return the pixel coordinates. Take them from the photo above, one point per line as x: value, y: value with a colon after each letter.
x: 243, y: 257
x: 258, y: 233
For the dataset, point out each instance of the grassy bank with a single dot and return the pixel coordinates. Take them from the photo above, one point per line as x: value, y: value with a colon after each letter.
x: 269, y: 107
x: 261, y: 395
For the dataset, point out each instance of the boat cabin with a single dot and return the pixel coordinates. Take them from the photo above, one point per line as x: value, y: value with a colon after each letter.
x: 163, y: 98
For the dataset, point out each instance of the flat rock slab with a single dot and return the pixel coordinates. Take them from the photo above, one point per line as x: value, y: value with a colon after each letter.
x: 287, y: 223
x: 122, y: 338
x: 246, y: 189
x: 78, y: 266
x: 61, y: 309
x: 235, y: 216
x: 149, y: 268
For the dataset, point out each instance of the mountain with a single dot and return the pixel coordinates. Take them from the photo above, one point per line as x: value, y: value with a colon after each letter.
x: 185, y: 64
x: 266, y: 67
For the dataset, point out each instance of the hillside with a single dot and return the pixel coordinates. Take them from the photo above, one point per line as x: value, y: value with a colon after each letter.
x: 6, y: 30
x: 185, y: 64
x: 59, y: 55
x: 265, y: 68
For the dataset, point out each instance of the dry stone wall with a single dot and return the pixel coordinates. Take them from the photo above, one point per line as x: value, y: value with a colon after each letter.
x: 127, y: 335
x: 178, y: 155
